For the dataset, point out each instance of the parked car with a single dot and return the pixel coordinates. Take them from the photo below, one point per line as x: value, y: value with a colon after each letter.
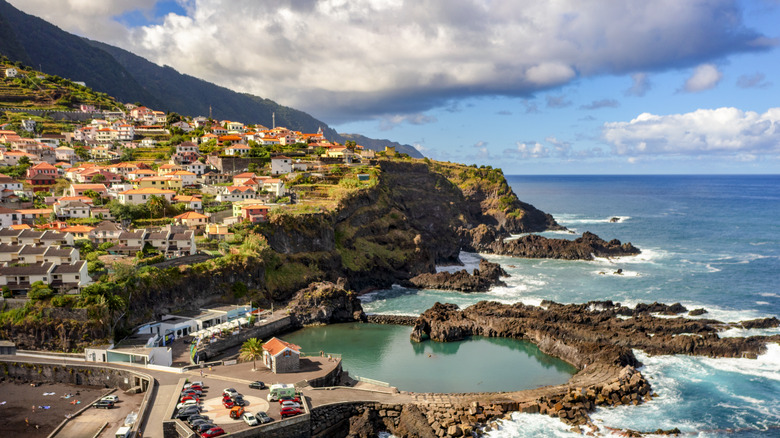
x: 194, y: 424
x: 112, y: 398
x: 196, y: 417
x: 250, y: 419
x: 257, y: 385
x: 290, y: 412
x: 239, y: 401
x: 228, y: 403
x: 263, y: 418
x: 186, y: 397
x: 290, y: 404
x: 104, y: 404
x: 192, y: 391
x: 204, y: 427
x: 194, y: 388
x: 187, y: 403
x: 214, y: 431
x: 186, y: 413
x: 195, y: 383
x: 236, y: 412
x: 231, y: 392
x: 295, y: 398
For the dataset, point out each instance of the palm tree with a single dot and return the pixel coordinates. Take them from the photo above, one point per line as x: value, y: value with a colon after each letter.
x: 156, y: 203
x: 251, y: 349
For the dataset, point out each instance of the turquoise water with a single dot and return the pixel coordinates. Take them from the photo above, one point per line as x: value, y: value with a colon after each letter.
x: 707, y: 241
x: 478, y: 364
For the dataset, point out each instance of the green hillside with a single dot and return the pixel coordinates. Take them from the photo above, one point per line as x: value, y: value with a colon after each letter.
x: 131, y: 78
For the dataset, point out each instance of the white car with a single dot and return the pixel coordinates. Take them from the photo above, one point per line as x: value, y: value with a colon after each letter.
x: 112, y: 398
x: 289, y: 404
x: 184, y: 404
x: 194, y: 384
x: 250, y: 419
x: 230, y: 392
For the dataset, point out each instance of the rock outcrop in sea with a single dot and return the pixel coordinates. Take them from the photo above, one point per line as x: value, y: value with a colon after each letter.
x: 586, y: 247
x: 480, y: 280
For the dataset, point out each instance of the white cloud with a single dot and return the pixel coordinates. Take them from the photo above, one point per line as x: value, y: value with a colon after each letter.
x: 344, y: 60
x: 728, y: 132
x: 388, y: 122
x: 529, y: 150
x: 704, y: 77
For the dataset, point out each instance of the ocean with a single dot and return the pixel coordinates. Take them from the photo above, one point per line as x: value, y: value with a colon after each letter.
x: 709, y: 242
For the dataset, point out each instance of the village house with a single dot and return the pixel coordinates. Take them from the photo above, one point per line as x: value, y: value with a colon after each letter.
x: 81, y: 189
x: 242, y: 178
x: 71, y: 210
x: 235, y: 193
x: 192, y: 202
x: 158, y: 182
x: 280, y: 356
x: 9, y: 217
x: 254, y: 213
x: 237, y: 150
x: 187, y: 178
x: 11, y: 72
x: 192, y: 220
x: 41, y: 182
x: 65, y: 153
x: 281, y: 165
x: 141, y: 196
x: 105, y: 231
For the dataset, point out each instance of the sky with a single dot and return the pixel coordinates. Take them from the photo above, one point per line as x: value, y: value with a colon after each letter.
x: 533, y: 87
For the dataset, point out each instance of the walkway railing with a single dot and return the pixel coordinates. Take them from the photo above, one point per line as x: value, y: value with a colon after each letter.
x: 336, y: 356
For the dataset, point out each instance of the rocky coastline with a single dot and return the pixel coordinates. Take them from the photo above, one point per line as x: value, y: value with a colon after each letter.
x: 597, y: 337
x: 586, y: 247
x: 480, y: 280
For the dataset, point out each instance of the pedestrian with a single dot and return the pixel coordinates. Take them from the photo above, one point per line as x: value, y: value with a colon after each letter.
x: 33, y: 409
x: 201, y: 372
x: 26, y: 421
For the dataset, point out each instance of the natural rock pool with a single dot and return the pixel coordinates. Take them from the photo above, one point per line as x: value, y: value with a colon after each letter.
x: 478, y: 364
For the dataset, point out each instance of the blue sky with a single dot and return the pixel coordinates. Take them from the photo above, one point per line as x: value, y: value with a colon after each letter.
x: 566, y: 87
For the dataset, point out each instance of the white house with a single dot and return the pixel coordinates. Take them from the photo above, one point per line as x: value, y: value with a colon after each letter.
x: 281, y: 165
x: 11, y: 72
x: 140, y: 196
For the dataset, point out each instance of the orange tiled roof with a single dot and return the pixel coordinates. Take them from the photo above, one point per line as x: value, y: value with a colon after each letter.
x: 276, y: 346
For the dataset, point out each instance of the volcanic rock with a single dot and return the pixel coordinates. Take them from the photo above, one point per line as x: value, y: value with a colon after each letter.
x: 326, y: 303
x: 586, y: 247
x: 486, y: 276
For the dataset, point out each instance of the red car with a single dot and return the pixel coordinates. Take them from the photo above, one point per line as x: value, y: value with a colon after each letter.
x: 290, y: 412
x: 189, y: 397
x: 228, y: 403
x: 296, y: 399
x: 194, y: 388
x: 214, y: 431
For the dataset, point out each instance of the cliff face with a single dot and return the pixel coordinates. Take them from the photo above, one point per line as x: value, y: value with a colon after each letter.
x: 413, y: 219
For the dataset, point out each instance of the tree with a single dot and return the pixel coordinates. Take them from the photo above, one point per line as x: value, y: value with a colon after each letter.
x: 39, y: 291
x: 99, y: 178
x: 157, y: 204
x: 252, y: 350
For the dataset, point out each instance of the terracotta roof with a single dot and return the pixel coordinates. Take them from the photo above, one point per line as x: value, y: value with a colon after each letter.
x: 276, y: 346
x: 191, y: 215
x: 147, y: 191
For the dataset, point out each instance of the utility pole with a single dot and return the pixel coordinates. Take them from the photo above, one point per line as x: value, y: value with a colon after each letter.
x: 273, y: 120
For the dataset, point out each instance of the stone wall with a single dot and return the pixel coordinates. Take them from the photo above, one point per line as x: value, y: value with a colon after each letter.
x: 75, y: 374
x: 294, y: 427
x: 331, y: 379
x: 264, y: 332
x: 392, y: 319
